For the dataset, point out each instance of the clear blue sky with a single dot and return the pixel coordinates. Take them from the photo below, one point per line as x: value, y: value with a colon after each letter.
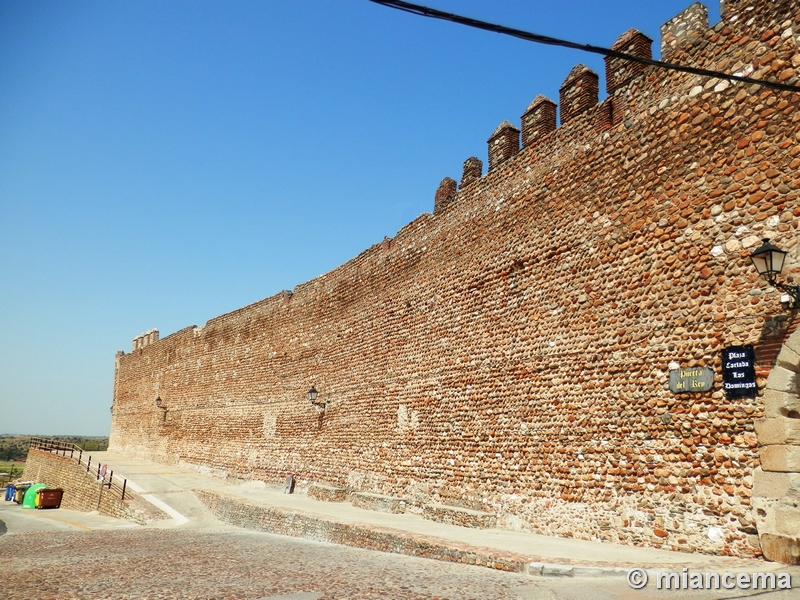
x: 162, y: 163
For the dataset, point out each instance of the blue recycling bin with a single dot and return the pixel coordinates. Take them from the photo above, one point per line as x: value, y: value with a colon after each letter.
x: 11, y: 489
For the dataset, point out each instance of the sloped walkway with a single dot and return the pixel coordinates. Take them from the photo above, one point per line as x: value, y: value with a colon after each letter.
x: 193, y: 499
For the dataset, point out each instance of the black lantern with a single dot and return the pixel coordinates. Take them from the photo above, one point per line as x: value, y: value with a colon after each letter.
x: 163, y: 408
x: 768, y: 260
x: 312, y: 397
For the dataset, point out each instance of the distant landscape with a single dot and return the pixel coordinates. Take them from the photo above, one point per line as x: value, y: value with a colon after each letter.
x: 14, y: 450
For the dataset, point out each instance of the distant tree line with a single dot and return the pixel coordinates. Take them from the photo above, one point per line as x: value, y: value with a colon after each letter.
x: 15, y: 447
x: 96, y: 444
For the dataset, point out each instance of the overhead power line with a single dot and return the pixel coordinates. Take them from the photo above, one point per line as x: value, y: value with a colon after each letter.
x: 424, y: 11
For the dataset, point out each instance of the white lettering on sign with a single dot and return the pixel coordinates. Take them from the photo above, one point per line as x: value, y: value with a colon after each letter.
x: 738, y: 386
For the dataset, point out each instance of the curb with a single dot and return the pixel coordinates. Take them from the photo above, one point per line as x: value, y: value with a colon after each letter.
x: 540, y: 569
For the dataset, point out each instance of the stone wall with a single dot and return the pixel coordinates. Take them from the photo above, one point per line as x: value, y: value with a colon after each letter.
x: 82, y: 489
x: 250, y: 515
x: 511, y: 353
x: 776, y: 487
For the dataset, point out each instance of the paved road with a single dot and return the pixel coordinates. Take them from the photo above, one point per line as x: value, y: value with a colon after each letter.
x: 101, y: 559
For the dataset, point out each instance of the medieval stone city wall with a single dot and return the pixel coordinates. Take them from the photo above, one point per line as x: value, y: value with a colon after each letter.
x: 511, y: 351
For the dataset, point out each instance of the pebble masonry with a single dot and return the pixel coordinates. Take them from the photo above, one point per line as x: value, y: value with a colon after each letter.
x: 510, y: 352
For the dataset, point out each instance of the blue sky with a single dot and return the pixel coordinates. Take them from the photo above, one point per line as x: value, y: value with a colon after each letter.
x: 162, y: 163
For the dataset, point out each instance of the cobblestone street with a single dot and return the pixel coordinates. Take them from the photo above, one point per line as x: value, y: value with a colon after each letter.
x: 234, y: 564
x: 226, y: 563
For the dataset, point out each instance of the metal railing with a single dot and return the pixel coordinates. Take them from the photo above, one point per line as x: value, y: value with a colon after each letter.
x: 76, y: 453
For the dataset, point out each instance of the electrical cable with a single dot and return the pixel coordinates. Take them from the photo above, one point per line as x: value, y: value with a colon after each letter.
x: 433, y: 13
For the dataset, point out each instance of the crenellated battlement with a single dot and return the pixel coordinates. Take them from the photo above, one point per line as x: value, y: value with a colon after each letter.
x: 444, y: 195
x: 686, y: 27
x: 538, y: 120
x: 473, y: 169
x: 143, y: 340
x: 681, y: 40
x: 619, y: 71
x: 578, y: 93
x: 503, y: 144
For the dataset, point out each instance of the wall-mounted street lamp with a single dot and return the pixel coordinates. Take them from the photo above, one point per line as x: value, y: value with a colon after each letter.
x: 768, y: 261
x: 313, y: 394
x: 164, y: 408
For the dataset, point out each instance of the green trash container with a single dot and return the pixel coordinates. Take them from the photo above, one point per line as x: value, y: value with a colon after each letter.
x: 29, y: 501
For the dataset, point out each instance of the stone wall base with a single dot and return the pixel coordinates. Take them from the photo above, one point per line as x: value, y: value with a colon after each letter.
x: 327, y: 493
x: 455, y: 515
x: 781, y: 548
x: 378, y: 502
x: 242, y: 513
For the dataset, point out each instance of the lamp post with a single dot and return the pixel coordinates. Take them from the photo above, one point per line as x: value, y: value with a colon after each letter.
x: 164, y: 408
x: 768, y: 260
x: 313, y: 394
